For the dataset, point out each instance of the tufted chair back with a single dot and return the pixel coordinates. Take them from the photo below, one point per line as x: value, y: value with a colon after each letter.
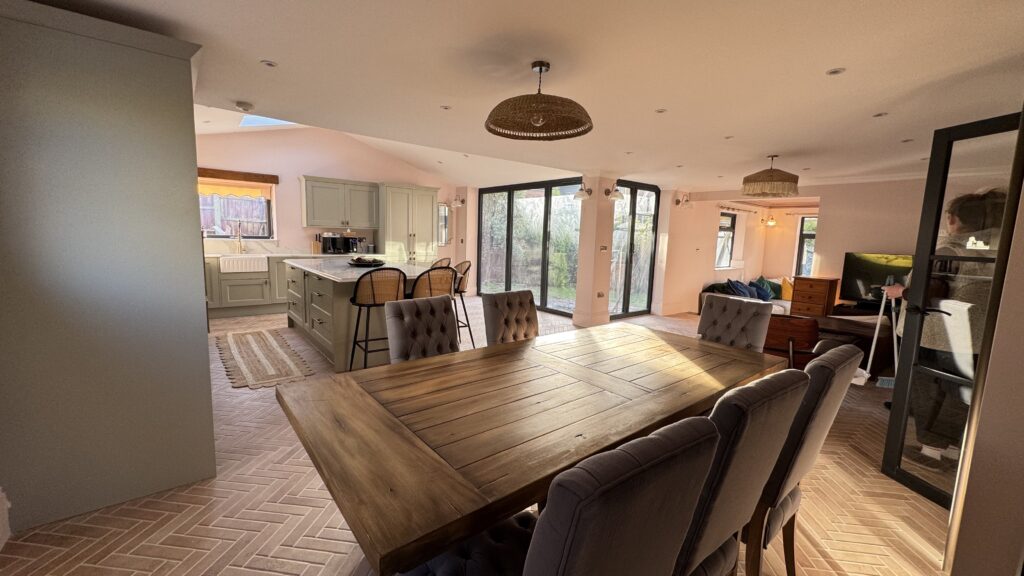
x: 625, y: 511
x: 441, y: 263
x: 421, y: 327
x: 737, y: 322
x: 434, y: 282
x: 510, y: 317
x: 753, y: 422
x: 463, y: 270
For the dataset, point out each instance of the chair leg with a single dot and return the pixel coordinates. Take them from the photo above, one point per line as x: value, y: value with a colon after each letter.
x: 466, y: 314
x: 355, y: 338
x: 366, y: 341
x: 789, y: 545
x: 458, y: 324
x: 755, y: 540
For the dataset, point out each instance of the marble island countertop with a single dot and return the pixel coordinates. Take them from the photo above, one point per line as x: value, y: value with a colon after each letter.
x: 339, y: 270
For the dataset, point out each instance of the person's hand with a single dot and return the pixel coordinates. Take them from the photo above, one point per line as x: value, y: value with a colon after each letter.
x: 895, y: 291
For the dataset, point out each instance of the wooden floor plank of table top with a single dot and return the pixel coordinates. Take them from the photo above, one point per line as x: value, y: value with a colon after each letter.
x: 496, y: 440
x: 423, y: 454
x: 469, y: 405
x: 478, y: 422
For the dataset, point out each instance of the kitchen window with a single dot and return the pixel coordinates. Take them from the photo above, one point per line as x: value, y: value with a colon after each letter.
x: 227, y: 207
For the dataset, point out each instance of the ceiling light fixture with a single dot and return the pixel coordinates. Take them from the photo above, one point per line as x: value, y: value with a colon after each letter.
x: 445, y: 107
x: 729, y: 137
x: 879, y: 114
x: 771, y: 183
x: 660, y: 110
x: 243, y: 106
x: 906, y: 140
x: 269, y: 63
x: 538, y: 116
x: 770, y: 222
x: 834, y: 71
x: 679, y: 165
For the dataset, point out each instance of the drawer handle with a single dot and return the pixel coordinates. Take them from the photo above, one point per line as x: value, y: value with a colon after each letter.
x: 317, y: 294
x: 318, y: 321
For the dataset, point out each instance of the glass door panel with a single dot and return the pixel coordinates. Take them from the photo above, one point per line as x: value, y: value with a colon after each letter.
x: 563, y: 248
x: 493, y: 228
x: 946, y: 317
x: 527, y: 240
x: 643, y: 251
x: 621, y: 240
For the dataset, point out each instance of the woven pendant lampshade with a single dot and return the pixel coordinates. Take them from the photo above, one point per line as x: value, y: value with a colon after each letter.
x: 538, y: 116
x: 771, y: 183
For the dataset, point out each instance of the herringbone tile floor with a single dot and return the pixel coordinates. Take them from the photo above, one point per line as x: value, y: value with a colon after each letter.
x: 267, y: 511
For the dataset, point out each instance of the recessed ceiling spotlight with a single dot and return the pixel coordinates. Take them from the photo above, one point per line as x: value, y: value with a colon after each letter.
x: 806, y: 168
x: 679, y: 165
x: 879, y: 114
x: 445, y: 107
x: 834, y: 71
x: 925, y: 158
x: 465, y: 155
x: 269, y: 63
x: 243, y: 106
x: 906, y: 140
x: 206, y: 121
x: 729, y: 137
x: 721, y: 176
x: 628, y: 153
x: 660, y: 110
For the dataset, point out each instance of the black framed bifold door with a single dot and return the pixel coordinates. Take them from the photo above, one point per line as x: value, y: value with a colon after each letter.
x: 951, y: 303
x: 529, y: 236
x: 634, y: 243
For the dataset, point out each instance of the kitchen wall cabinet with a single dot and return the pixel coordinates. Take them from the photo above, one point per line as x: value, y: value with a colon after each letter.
x: 409, y: 222
x: 333, y: 203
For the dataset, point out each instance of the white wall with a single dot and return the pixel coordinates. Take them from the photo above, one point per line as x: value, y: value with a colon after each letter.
x: 297, y: 152
x: 105, y: 388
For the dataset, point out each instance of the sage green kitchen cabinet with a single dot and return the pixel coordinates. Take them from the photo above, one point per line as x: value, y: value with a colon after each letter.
x: 245, y: 289
x: 278, y: 279
x: 212, y: 266
x: 333, y: 203
x: 409, y: 222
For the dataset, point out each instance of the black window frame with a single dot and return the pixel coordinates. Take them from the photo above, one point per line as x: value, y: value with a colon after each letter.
x: 510, y: 191
x: 732, y: 245
x: 801, y: 237
x: 627, y: 287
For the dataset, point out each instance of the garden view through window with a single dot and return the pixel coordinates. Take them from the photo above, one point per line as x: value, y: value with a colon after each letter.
x: 634, y: 226
x: 226, y: 206
x: 529, y: 240
x: 805, y: 245
x: 726, y: 238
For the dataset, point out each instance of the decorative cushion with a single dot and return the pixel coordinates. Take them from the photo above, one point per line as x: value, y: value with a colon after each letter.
x: 787, y: 289
x: 776, y: 289
x: 740, y: 289
x: 735, y: 322
x: 498, y: 551
x: 510, y: 317
x: 761, y: 292
x: 420, y: 327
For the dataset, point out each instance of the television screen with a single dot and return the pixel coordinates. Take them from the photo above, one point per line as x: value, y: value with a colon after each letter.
x: 865, y: 274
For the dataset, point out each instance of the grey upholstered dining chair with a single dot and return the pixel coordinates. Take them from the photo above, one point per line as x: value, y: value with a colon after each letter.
x: 830, y: 376
x: 421, y: 327
x: 737, y: 322
x: 598, y: 518
x: 753, y: 422
x: 510, y: 317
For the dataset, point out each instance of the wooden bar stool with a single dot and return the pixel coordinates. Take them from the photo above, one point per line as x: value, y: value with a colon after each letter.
x: 462, y: 284
x: 441, y: 263
x: 435, y: 282
x: 373, y: 289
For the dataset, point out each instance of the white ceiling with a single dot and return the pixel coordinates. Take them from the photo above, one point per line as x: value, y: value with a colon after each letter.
x: 211, y: 120
x: 751, y: 70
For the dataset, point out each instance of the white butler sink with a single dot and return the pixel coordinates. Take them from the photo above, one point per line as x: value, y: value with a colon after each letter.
x: 243, y: 263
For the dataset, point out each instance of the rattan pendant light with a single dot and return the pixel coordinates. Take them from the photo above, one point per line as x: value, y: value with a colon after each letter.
x: 771, y: 183
x: 538, y: 116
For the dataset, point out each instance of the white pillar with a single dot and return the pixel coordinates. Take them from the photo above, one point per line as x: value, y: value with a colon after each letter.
x: 593, y: 274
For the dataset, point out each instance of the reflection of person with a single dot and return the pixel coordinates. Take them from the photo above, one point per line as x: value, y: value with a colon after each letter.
x: 939, y: 406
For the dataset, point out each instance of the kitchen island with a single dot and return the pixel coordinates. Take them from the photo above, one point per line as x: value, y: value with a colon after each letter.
x: 319, y: 293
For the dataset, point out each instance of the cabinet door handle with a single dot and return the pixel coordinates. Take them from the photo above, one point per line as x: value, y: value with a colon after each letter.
x: 318, y: 321
x: 266, y: 281
x: 317, y: 294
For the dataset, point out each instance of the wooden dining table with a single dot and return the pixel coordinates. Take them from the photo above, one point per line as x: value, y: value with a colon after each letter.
x: 422, y: 454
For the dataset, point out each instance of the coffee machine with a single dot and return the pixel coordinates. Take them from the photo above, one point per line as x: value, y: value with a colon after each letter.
x: 335, y: 243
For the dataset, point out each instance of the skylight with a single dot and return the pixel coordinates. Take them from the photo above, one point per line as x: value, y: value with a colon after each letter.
x: 250, y: 120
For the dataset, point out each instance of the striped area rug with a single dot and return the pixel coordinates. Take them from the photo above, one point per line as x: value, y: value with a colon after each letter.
x: 260, y: 358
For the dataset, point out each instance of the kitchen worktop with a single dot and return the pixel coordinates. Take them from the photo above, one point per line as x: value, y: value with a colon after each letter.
x: 338, y: 269
x: 289, y: 255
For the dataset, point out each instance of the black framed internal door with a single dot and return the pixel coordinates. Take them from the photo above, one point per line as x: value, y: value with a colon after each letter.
x: 634, y: 245
x: 951, y: 304
x: 529, y: 240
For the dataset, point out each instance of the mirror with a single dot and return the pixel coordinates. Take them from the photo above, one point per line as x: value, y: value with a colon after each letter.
x: 443, y: 211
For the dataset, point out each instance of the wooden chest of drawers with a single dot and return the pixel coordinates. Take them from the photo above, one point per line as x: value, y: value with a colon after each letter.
x: 814, y: 296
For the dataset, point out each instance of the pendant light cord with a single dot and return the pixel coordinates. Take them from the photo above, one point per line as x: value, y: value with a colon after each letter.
x: 540, y: 78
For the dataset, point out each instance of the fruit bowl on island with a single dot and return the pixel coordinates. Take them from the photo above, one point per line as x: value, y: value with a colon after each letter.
x: 365, y: 262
